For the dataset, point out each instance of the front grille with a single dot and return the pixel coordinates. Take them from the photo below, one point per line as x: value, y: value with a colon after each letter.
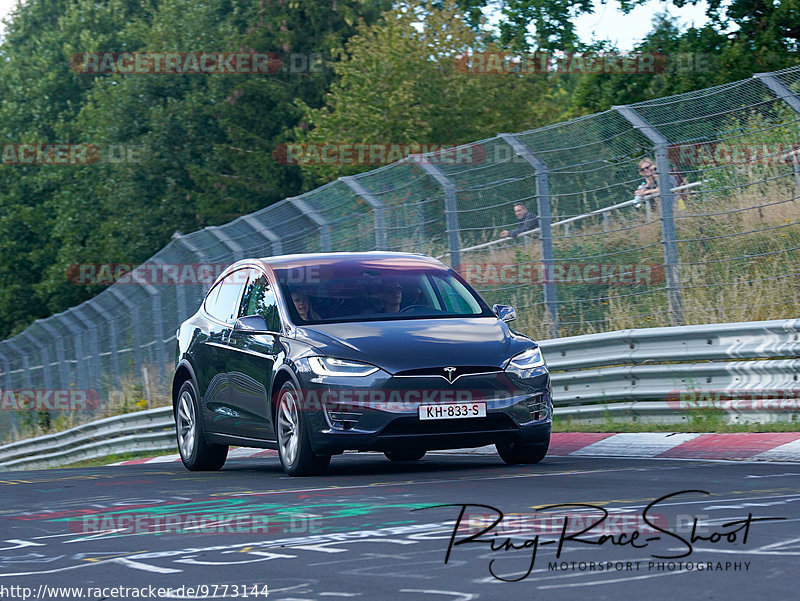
x: 498, y: 422
x: 463, y: 370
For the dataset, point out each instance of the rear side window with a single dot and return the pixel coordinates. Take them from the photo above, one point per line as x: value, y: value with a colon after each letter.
x: 222, y: 301
x: 259, y: 299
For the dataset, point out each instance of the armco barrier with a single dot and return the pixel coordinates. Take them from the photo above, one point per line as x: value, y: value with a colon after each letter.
x: 149, y: 430
x: 642, y: 374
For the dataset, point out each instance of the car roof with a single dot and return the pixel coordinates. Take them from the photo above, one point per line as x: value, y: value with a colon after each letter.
x: 384, y: 258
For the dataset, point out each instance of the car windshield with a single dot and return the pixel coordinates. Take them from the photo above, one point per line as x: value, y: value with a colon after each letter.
x: 364, y: 290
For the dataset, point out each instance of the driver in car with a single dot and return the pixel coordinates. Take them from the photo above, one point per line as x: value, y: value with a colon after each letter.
x: 391, y: 294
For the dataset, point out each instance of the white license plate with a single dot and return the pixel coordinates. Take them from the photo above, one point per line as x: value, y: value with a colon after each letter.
x: 452, y: 410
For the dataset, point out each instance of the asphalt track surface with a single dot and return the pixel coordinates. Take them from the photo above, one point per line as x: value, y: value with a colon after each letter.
x: 355, y: 534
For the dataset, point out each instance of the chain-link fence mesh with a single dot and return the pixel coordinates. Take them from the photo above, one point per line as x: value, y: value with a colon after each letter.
x: 598, y: 258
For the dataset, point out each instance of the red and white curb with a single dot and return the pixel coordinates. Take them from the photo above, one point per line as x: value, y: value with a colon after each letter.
x: 755, y: 446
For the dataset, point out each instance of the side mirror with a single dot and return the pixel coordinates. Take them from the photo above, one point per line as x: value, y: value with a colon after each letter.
x: 252, y: 324
x: 505, y: 312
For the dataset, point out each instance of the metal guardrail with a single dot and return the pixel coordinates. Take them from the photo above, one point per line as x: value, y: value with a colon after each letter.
x: 660, y: 375
x: 683, y: 344
x: 149, y: 430
x: 679, y: 411
x: 655, y: 364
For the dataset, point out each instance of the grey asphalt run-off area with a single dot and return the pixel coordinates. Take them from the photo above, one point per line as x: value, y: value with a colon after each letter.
x: 368, y: 530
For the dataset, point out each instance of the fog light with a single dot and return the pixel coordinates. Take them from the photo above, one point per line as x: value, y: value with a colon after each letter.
x: 342, y: 417
x: 537, y: 406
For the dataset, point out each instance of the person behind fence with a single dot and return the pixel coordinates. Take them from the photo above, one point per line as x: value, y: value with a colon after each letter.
x: 649, y: 187
x: 527, y: 222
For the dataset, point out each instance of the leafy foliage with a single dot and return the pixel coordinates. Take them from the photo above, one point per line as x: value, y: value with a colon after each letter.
x: 204, y: 145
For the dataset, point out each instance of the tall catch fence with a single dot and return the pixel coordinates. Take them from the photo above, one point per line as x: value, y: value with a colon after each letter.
x: 719, y: 244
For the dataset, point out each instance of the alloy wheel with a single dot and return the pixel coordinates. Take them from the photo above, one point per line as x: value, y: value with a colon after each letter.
x: 288, y: 423
x: 187, y: 425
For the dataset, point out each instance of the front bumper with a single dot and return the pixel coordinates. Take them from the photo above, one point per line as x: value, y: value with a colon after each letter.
x: 380, y: 412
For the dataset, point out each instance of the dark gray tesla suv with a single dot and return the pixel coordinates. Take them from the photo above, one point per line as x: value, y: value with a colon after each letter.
x: 319, y: 353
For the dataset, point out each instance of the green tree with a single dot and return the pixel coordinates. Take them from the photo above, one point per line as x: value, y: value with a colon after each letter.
x: 692, y: 59
x: 40, y: 97
x: 402, y: 81
x: 203, y: 142
x: 552, y: 22
x: 260, y: 114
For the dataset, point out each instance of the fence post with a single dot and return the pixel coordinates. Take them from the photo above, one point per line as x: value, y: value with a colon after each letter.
x: 265, y: 232
x: 236, y: 250
x: 184, y: 241
x: 796, y: 170
x: 378, y: 210
x: 91, y: 331
x: 450, y: 207
x: 180, y: 291
x: 666, y: 196
x: 782, y: 91
x: 26, y: 372
x: 182, y: 295
x: 158, y: 322
x: 61, y: 355
x: 133, y: 308
x: 81, y: 377
x: 158, y: 329
x: 6, y: 368
x: 44, y: 357
x: 324, y: 229
x: 114, y: 338
x: 545, y: 218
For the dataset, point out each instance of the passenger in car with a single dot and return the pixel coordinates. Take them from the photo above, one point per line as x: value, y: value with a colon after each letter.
x: 303, y: 305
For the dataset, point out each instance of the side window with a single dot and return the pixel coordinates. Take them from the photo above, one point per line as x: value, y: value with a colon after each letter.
x: 259, y: 299
x: 223, y: 300
x: 453, y: 301
x: 211, y: 298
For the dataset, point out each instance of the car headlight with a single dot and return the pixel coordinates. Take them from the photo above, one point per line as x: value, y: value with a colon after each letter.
x: 526, y: 360
x: 327, y: 366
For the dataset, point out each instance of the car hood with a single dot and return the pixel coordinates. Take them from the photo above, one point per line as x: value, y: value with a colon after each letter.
x: 411, y: 344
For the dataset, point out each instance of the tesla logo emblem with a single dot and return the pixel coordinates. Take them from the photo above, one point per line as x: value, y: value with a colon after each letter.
x: 450, y: 373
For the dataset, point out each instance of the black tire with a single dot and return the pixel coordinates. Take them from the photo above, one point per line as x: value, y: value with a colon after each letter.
x: 404, y: 455
x: 513, y: 453
x: 197, y: 455
x: 291, y: 431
